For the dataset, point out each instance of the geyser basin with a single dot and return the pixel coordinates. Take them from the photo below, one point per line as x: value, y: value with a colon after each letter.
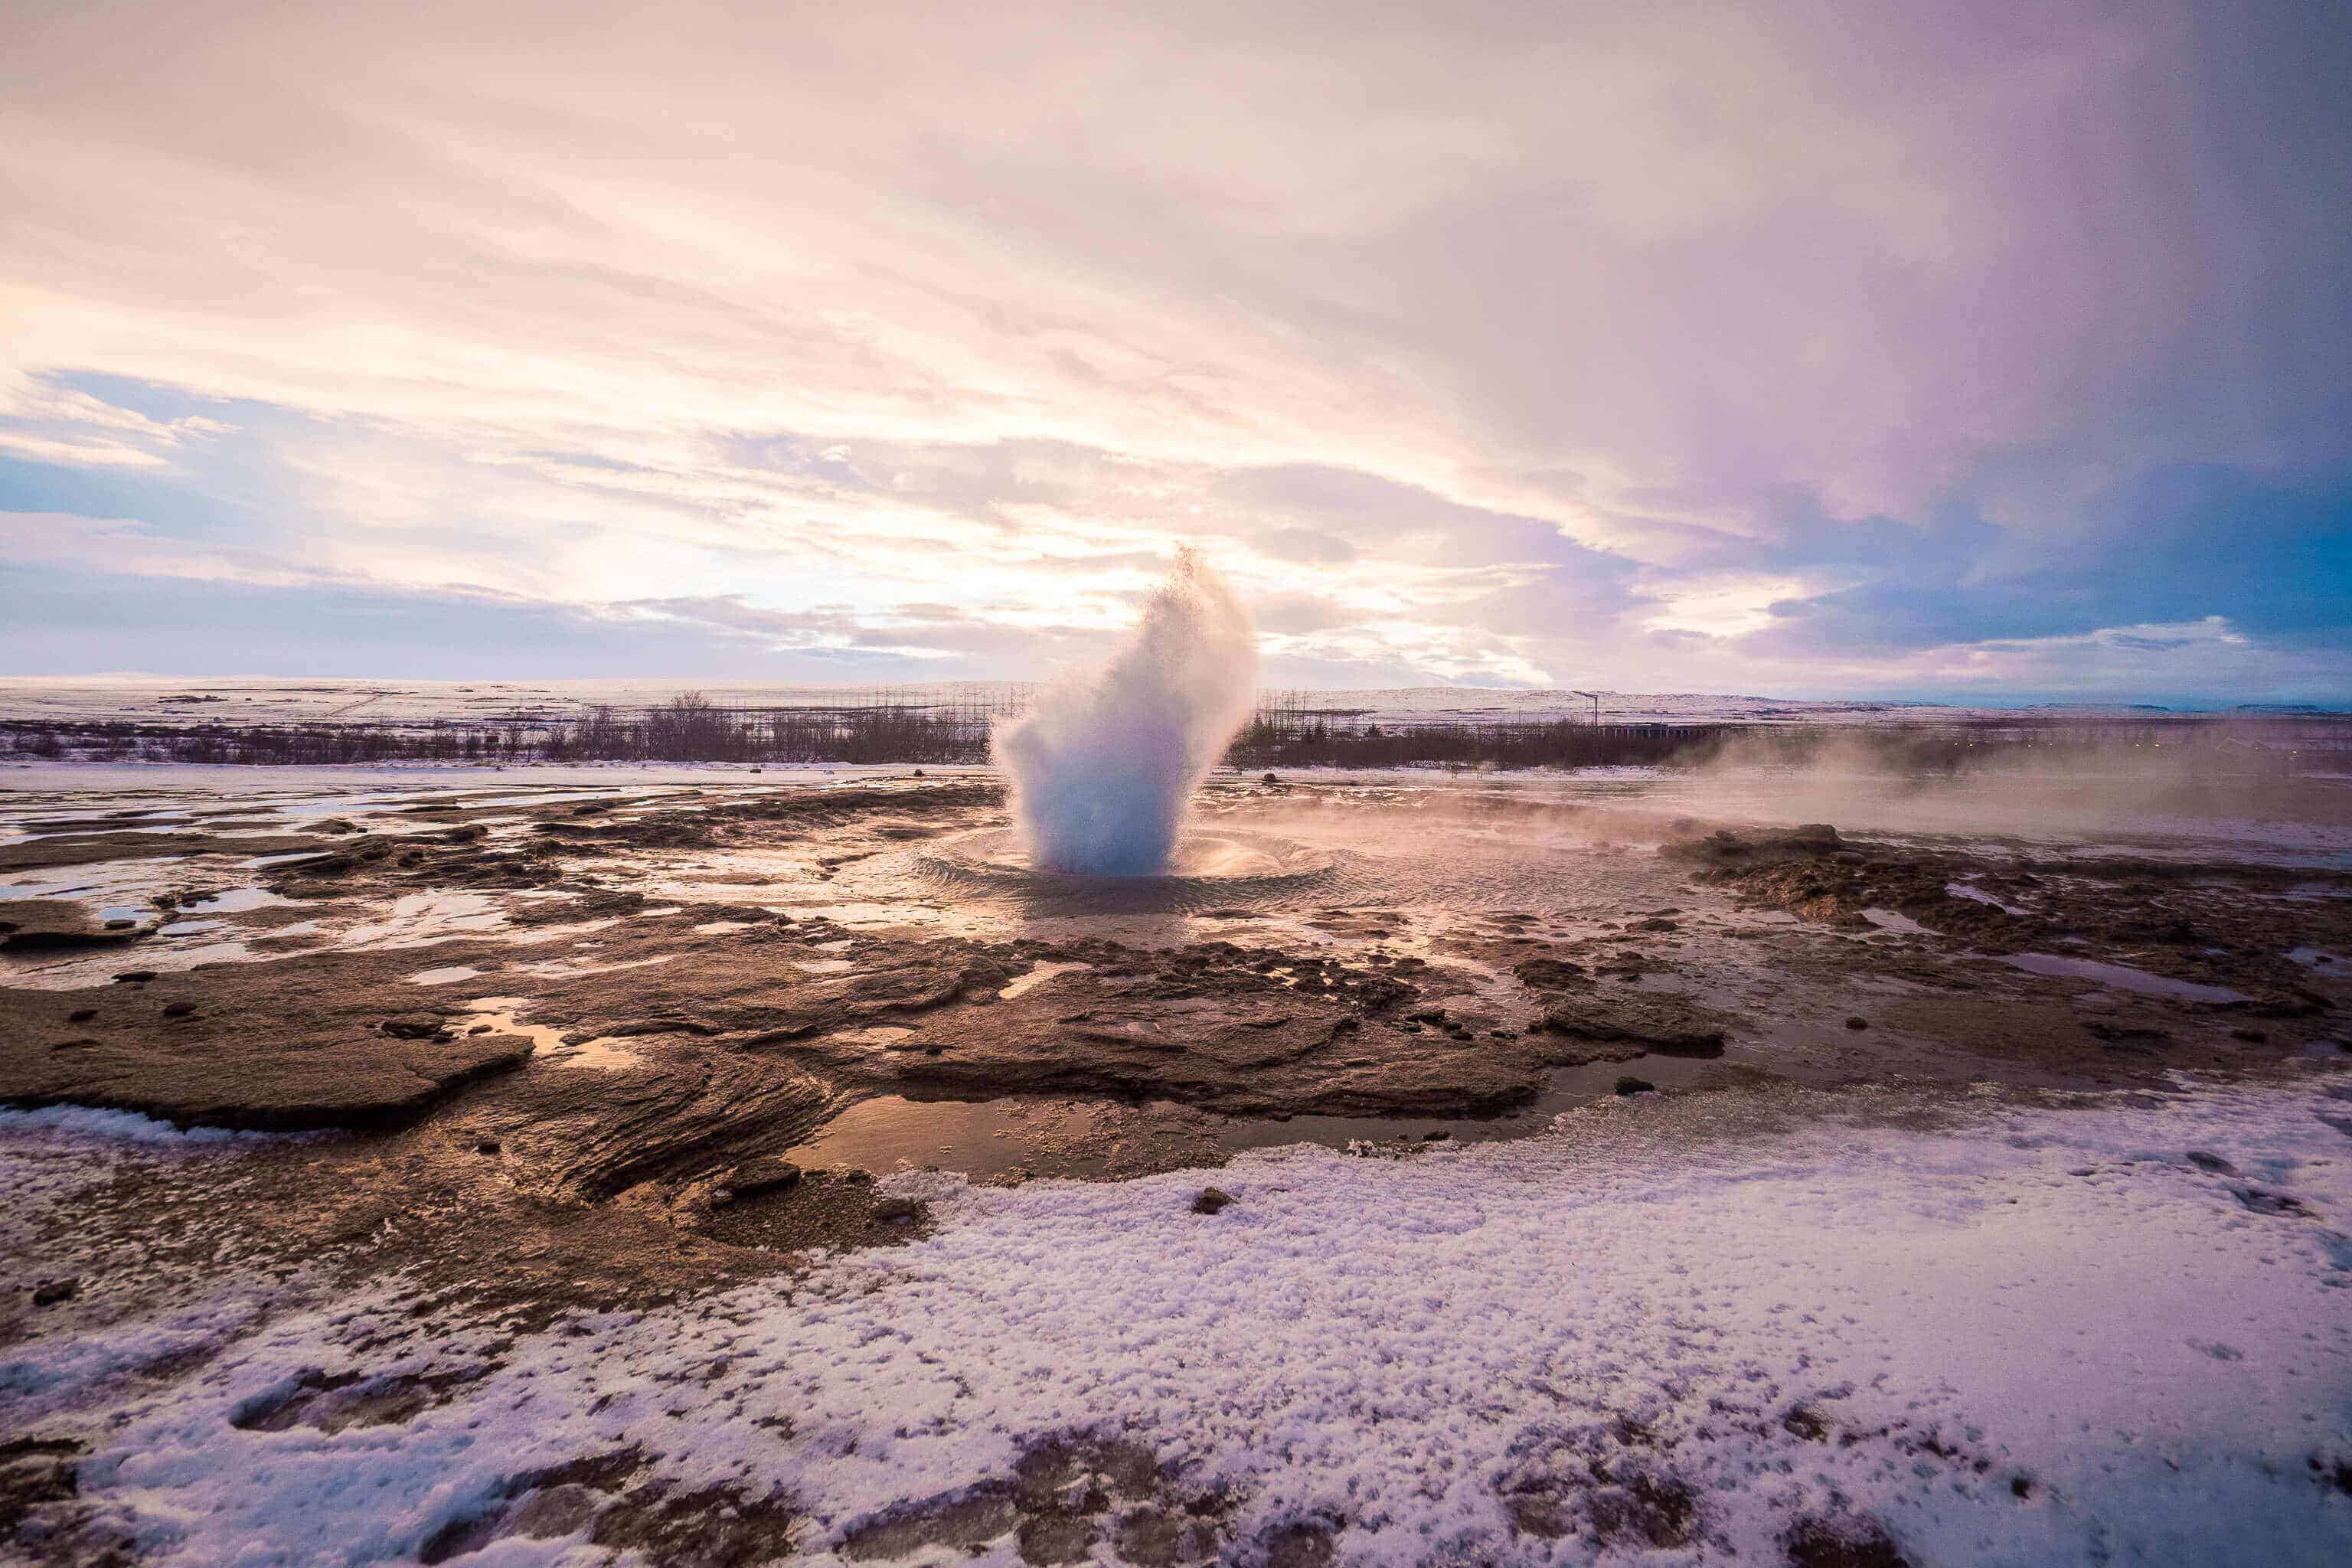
x: 1207, y: 855
x: 1204, y: 867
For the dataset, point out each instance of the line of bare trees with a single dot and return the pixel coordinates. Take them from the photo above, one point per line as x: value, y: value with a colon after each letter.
x: 690, y: 729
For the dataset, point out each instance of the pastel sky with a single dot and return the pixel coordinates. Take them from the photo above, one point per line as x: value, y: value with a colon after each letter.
x: 1994, y: 350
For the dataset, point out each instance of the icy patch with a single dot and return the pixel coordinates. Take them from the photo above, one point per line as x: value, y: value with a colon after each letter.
x: 1038, y: 976
x: 420, y: 920
x: 2120, y: 977
x: 1969, y: 891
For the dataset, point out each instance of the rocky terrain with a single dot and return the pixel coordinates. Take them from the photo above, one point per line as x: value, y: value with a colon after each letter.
x: 497, y: 1057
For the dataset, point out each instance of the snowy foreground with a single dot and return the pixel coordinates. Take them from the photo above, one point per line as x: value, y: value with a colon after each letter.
x: 2007, y: 1334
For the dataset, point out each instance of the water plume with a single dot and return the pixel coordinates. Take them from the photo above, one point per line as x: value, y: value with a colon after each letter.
x: 1105, y: 762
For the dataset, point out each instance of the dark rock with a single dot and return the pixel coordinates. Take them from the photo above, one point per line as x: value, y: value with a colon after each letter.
x: 1845, y: 1540
x: 896, y: 1211
x: 2119, y: 1033
x: 1857, y: 1022
x: 355, y: 1082
x: 758, y: 1177
x: 1302, y: 1546
x: 1659, y: 1510
x: 35, y: 925
x: 595, y: 1134
x: 966, y: 1523
x: 2252, y: 1037
x: 1210, y: 1199
x: 1636, y: 1086
x: 414, y: 1027
x: 49, y: 1292
x: 2261, y: 1202
x: 178, y: 1009
x: 1726, y: 848
x: 1047, y: 1540
x: 2214, y: 1163
x: 34, y: 1471
x: 1549, y: 973
x: 134, y: 977
x: 1648, y: 1020
x: 1200, y: 1024
x: 718, y: 1527
x: 81, y: 1015
x: 960, y: 1524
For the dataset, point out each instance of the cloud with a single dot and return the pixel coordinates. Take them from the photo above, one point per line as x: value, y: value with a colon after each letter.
x: 1773, y: 347
x: 2172, y: 545
x: 1294, y: 615
x: 1306, y: 546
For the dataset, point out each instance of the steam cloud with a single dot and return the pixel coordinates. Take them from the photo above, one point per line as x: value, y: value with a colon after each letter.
x: 1105, y: 763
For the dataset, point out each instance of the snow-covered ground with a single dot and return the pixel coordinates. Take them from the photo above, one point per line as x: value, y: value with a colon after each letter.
x: 2114, y: 1331
x: 255, y: 700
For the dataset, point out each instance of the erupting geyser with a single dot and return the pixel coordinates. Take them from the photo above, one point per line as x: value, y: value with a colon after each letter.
x: 1105, y: 763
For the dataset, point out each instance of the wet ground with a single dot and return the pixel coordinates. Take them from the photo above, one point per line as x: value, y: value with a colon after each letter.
x: 860, y: 971
x: 529, y: 1044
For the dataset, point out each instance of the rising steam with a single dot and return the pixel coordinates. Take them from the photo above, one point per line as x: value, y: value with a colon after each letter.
x: 1104, y: 764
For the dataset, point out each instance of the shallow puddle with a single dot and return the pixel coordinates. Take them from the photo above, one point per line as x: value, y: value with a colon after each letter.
x: 1045, y: 1136
x: 234, y: 900
x: 420, y: 920
x: 2119, y: 977
x: 548, y: 1044
x: 1034, y: 978
x: 1967, y: 890
x: 190, y: 927
x: 603, y: 1054
x: 981, y: 1138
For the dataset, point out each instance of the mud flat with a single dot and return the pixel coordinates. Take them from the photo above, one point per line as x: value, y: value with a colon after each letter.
x: 725, y: 1167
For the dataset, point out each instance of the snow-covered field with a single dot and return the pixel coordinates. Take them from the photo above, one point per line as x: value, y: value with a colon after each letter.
x: 2116, y: 1330
x: 249, y: 699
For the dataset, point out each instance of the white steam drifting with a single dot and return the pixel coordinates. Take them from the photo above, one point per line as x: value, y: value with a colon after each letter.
x: 1105, y: 763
